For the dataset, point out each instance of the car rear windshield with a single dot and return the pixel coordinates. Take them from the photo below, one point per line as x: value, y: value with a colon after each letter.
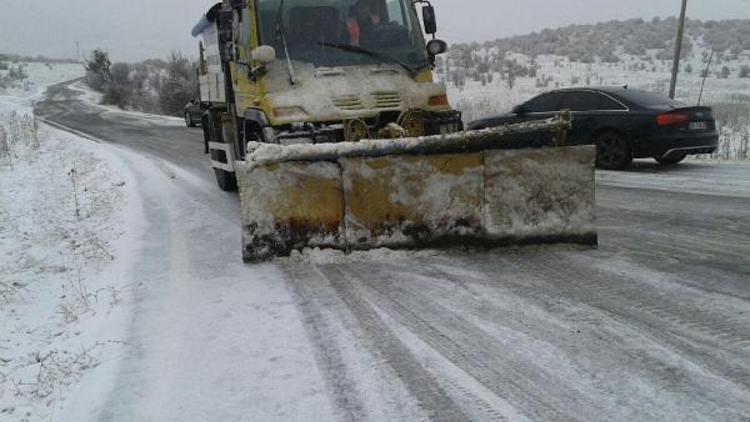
x: 649, y: 99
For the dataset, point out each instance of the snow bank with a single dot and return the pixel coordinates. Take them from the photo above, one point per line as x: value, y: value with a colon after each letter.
x: 63, y: 297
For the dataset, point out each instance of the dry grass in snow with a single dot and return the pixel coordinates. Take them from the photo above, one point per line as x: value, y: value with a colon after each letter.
x: 59, y: 219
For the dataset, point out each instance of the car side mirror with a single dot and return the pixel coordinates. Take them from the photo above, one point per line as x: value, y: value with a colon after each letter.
x: 264, y: 54
x: 430, y: 21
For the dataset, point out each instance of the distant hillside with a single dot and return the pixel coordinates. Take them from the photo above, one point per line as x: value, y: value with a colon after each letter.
x: 634, y: 47
x: 607, y: 41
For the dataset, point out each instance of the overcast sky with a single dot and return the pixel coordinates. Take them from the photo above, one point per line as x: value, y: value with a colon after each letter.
x: 133, y: 30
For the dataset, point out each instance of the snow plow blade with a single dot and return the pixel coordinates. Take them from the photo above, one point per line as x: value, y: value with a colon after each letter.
x: 447, y: 190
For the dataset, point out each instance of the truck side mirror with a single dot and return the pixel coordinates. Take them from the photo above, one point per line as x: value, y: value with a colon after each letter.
x: 436, y: 47
x: 264, y: 54
x: 430, y: 21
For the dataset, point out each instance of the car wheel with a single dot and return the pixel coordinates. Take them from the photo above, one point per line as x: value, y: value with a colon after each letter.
x: 612, y: 151
x: 189, y: 120
x: 671, y: 159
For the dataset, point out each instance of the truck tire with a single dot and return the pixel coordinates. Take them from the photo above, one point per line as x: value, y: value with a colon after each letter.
x: 227, y: 181
x: 206, y: 126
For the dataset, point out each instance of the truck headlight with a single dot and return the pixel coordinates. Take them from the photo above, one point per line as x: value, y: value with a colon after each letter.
x: 438, y: 101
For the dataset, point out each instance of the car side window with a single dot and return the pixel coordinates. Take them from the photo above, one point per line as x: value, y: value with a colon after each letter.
x: 609, y: 104
x: 581, y: 101
x: 544, y: 103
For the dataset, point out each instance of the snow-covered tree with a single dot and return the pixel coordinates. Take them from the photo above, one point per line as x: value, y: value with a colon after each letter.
x: 179, y: 86
x: 98, y: 68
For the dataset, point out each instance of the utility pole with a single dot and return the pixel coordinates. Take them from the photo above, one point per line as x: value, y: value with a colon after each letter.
x: 678, y: 50
x: 78, y: 52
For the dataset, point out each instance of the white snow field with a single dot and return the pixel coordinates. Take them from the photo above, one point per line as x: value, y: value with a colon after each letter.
x: 65, y: 225
x: 41, y: 75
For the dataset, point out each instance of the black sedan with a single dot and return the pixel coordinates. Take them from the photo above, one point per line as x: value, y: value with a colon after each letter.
x: 623, y: 123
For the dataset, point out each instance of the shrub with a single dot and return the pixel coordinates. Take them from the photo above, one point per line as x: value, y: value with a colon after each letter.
x: 17, y: 73
x: 98, y: 70
x: 119, y: 89
x: 179, y: 86
x: 144, y: 97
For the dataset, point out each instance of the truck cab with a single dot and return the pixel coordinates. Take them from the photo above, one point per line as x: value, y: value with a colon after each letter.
x: 318, y: 71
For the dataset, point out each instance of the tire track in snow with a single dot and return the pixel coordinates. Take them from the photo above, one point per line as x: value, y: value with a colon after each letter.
x: 605, y: 347
x: 470, y: 349
x: 381, y: 342
x: 679, y: 306
x: 418, y: 381
x: 478, y: 401
x: 324, y: 290
x: 308, y: 294
x: 609, y: 293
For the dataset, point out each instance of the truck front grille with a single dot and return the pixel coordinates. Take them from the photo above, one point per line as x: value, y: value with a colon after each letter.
x: 348, y: 103
x: 387, y: 99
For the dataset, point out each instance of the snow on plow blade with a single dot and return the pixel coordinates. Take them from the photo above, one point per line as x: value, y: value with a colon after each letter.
x: 447, y: 190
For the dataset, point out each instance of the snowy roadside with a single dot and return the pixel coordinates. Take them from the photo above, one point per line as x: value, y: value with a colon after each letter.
x: 40, y: 76
x: 95, y: 99
x: 66, y: 215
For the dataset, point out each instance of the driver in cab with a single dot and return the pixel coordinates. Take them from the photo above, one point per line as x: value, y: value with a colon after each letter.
x: 364, y: 18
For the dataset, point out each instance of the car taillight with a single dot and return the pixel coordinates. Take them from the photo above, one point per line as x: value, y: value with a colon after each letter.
x: 672, y: 119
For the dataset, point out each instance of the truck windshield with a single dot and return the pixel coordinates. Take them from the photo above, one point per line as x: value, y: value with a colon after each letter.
x: 321, y: 31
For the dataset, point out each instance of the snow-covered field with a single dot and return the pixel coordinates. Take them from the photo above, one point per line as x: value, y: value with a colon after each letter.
x: 40, y: 76
x: 63, y: 293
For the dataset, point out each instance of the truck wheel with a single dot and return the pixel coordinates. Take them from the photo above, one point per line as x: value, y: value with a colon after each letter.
x: 612, y: 151
x: 226, y: 180
x: 206, y: 126
x: 670, y: 160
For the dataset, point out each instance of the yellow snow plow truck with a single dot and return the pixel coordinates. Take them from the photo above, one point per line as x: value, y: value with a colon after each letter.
x: 325, y: 115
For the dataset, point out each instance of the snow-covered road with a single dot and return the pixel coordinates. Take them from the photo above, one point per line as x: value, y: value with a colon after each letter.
x: 653, y: 325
